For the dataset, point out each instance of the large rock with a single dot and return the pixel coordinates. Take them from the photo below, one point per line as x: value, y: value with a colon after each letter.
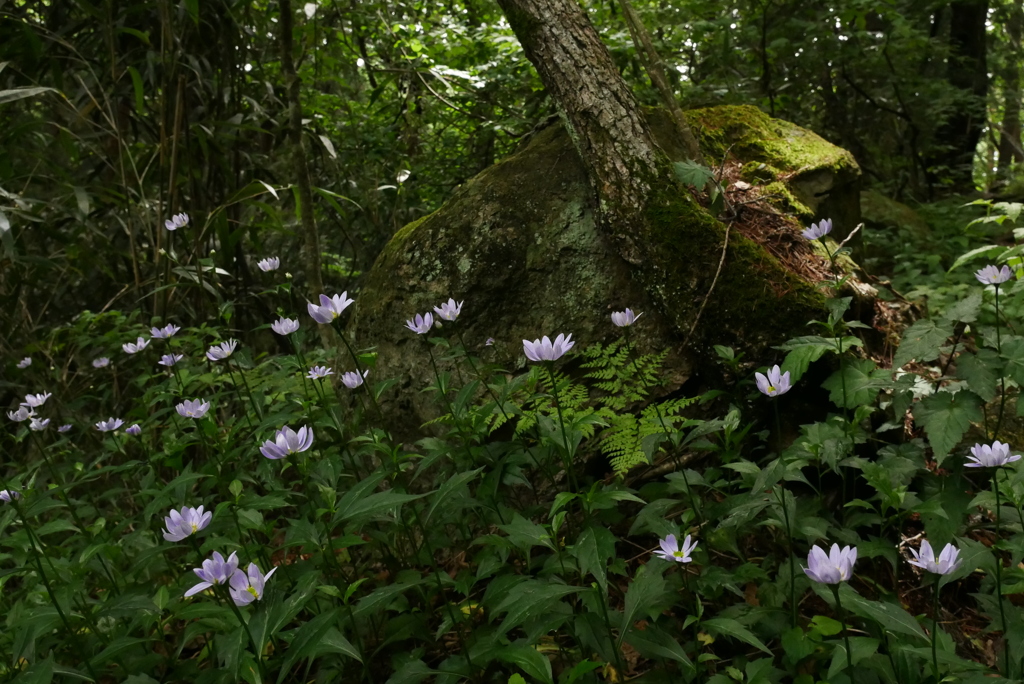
x: 520, y: 244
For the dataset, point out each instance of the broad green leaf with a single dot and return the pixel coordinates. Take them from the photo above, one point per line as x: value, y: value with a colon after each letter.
x: 921, y: 342
x: 525, y: 534
x: 946, y: 417
x: 593, y: 549
x: 809, y: 348
x: 862, y: 383
x: 654, y: 642
x: 643, y: 596
x: 306, y: 640
x: 446, y: 490
x: 529, y: 660
x: 530, y: 599
x: 862, y: 647
x: 974, y: 254
x: 965, y: 310
x: 140, y: 100
x: 1013, y: 354
x: 731, y: 628
x: 693, y: 174
x: 981, y: 370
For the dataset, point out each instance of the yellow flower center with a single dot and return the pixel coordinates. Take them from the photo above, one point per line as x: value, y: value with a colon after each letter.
x: 252, y: 590
x: 678, y: 554
x: 195, y: 528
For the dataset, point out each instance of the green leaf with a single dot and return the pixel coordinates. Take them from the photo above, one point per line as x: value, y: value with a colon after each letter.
x: 862, y: 647
x: 579, y: 669
x: 525, y: 534
x: 654, y: 642
x: 693, y: 174
x: 306, y: 640
x: 529, y: 660
x: 643, y: 595
x: 140, y: 100
x: 1013, y: 353
x: 981, y: 370
x: 805, y: 350
x: 921, y: 341
x: 20, y: 94
x: 862, y: 383
x: 974, y: 254
x: 966, y: 310
x: 593, y: 549
x: 530, y: 599
x: 946, y: 417
x: 731, y: 628
x: 448, y: 489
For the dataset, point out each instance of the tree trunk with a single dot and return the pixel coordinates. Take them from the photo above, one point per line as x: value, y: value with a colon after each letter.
x: 606, y: 125
x: 310, y: 236
x: 967, y: 72
x: 1010, y: 149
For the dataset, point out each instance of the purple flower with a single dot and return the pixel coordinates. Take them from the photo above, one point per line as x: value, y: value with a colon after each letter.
x: 170, y: 359
x: 177, y: 221
x: 995, y: 456
x: 671, y: 551
x: 318, y: 372
x: 288, y: 441
x: 134, y: 430
x: 109, y: 425
x: 284, y: 326
x: 991, y: 275
x: 165, y: 332
x: 420, y: 324
x: 248, y: 588
x: 36, y: 400
x: 22, y: 414
x: 625, y: 318
x: 136, y: 347
x: 946, y: 563
x: 818, y: 230
x: 353, y: 379
x: 64, y: 428
x: 215, y: 571
x: 546, y: 350
x: 449, y: 311
x: 101, y: 362
x: 38, y: 425
x: 775, y: 383
x: 25, y: 362
x: 489, y: 342
x: 330, y: 307
x: 178, y: 526
x: 7, y: 494
x: 834, y: 568
x: 193, y: 408
x: 219, y: 352
x: 269, y: 264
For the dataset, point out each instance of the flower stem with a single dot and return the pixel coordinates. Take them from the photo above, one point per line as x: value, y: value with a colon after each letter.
x: 561, y: 422
x: 935, y: 628
x: 999, y: 578
x: 792, y: 565
x: 1002, y: 379
x: 846, y: 632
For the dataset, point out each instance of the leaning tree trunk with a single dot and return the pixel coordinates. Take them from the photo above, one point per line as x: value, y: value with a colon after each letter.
x: 607, y: 127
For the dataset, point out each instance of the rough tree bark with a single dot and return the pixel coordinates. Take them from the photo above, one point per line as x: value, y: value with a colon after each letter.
x: 310, y: 236
x: 968, y: 72
x: 1011, y: 150
x: 607, y: 127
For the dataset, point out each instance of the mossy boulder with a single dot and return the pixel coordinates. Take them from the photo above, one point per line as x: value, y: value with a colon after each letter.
x: 884, y: 213
x: 814, y: 178
x: 520, y: 243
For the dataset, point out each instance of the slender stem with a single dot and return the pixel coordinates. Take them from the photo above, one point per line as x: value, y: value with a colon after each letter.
x: 792, y: 565
x: 935, y: 628
x: 846, y: 632
x: 561, y: 422
x: 999, y: 578
x: 1002, y: 379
